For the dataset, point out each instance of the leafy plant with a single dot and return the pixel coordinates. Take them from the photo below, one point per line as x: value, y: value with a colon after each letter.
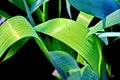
x: 64, y: 41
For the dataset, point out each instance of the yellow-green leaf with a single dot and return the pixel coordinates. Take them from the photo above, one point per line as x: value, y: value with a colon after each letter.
x: 74, y: 35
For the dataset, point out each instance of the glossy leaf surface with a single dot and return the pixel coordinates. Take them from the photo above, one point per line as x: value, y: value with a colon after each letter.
x: 74, y: 35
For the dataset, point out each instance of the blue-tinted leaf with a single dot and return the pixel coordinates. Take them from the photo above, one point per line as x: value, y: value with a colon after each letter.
x: 109, y: 34
x: 36, y: 4
x: 68, y: 6
x: 65, y: 65
x: 28, y: 13
x: 98, y: 8
x: 111, y: 19
x: 14, y: 33
x: 88, y: 74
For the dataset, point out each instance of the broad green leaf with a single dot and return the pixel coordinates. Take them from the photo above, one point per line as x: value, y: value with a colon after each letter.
x: 111, y: 19
x: 14, y: 33
x: 74, y: 34
x: 84, y: 18
x: 98, y: 8
x: 65, y: 65
x: 4, y: 14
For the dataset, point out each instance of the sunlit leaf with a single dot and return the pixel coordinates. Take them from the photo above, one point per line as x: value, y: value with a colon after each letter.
x: 98, y: 8
x: 74, y: 35
x: 84, y: 18
x: 81, y: 60
x: 14, y: 34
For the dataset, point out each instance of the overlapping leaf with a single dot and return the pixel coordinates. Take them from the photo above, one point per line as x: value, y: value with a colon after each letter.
x: 74, y: 35
x: 111, y: 19
x: 66, y: 66
x: 34, y: 4
x: 98, y: 8
x: 14, y: 33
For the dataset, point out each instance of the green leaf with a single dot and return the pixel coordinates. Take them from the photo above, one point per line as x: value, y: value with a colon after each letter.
x: 58, y: 45
x: 59, y: 8
x: 112, y: 19
x: 97, y: 8
x: 74, y: 35
x: 4, y: 14
x: 14, y: 48
x: 45, y: 10
x: 65, y: 65
x: 54, y: 44
x: 14, y: 34
x: 84, y: 18
x: 81, y: 60
x: 103, y: 75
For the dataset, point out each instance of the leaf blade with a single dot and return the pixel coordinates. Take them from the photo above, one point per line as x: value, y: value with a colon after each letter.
x: 75, y: 37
